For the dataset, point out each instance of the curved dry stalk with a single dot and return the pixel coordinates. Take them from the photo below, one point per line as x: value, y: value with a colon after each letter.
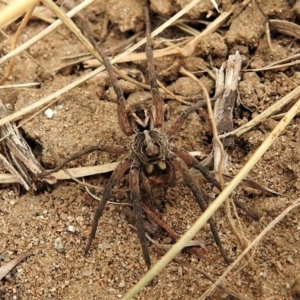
x: 15, y: 40
x: 42, y: 34
x: 212, y: 121
x: 215, y: 205
x: 86, y: 187
x: 14, y: 10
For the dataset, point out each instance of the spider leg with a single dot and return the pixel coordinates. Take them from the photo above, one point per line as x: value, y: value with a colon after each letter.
x: 146, y: 185
x: 137, y: 210
x: 179, y: 165
x: 113, y: 180
x: 192, y: 162
x: 114, y: 149
x: 176, y: 126
x: 121, y: 110
x: 157, y: 101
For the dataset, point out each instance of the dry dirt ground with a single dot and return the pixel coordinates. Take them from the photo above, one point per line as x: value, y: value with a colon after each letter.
x: 86, y: 116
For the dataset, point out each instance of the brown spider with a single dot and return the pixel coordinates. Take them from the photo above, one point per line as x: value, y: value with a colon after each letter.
x: 149, y: 152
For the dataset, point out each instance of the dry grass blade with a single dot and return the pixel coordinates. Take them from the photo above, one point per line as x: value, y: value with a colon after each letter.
x: 74, y: 172
x: 34, y: 85
x: 46, y: 100
x: 14, y: 10
x: 4, y: 270
x: 279, y: 63
x: 14, y: 42
x: 14, y: 175
x: 215, y: 205
x: 277, y: 66
x: 286, y: 27
x: 215, y: 4
x: 252, y: 184
x: 44, y: 33
x: 190, y: 47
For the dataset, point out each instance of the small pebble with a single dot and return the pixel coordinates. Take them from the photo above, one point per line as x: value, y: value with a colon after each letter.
x: 263, y: 274
x: 122, y: 284
x: 290, y: 260
x: 59, y: 245
x: 167, y: 240
x: 279, y: 266
x: 49, y: 113
x: 72, y: 228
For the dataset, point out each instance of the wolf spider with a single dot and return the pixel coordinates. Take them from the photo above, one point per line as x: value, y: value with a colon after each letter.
x: 149, y: 152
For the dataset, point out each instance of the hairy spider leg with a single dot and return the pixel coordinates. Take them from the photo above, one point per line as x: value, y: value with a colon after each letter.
x: 156, y: 98
x: 176, y: 126
x: 192, y: 162
x: 113, y: 180
x: 121, y: 109
x: 146, y: 185
x: 134, y: 186
x: 113, y: 149
x: 179, y: 165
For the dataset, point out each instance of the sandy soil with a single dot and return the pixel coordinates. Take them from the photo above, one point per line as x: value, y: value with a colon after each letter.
x: 87, y: 115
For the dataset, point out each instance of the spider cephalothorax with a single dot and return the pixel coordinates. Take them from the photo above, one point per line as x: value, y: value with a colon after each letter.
x: 150, y: 151
x: 150, y: 147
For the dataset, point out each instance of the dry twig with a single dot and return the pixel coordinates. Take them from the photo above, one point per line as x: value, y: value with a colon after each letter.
x: 4, y: 270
